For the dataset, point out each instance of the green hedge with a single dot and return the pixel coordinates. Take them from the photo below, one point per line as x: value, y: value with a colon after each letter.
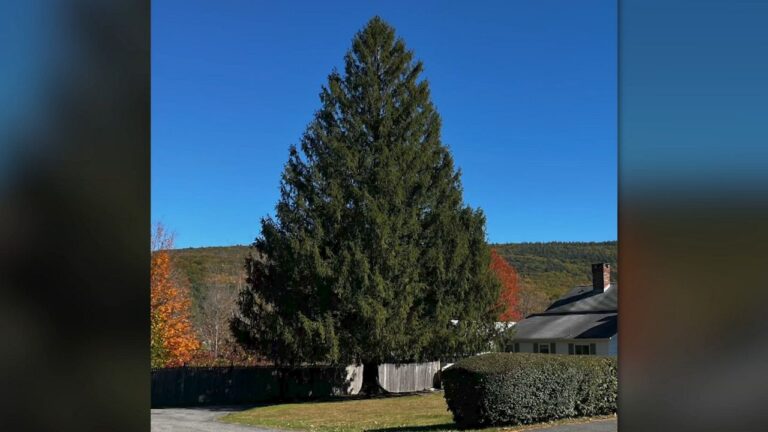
x: 518, y: 388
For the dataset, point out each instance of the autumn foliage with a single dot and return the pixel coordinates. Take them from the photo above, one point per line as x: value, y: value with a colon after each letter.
x: 510, y: 287
x: 173, y: 342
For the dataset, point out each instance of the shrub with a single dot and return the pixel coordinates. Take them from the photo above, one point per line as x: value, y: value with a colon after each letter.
x: 517, y: 388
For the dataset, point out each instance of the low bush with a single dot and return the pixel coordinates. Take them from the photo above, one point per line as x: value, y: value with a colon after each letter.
x: 518, y: 388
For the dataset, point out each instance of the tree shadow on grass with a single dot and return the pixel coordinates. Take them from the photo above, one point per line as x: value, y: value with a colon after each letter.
x: 347, y: 398
x: 299, y: 401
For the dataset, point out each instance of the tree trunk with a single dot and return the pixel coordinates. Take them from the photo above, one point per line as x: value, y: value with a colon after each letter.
x: 371, y: 385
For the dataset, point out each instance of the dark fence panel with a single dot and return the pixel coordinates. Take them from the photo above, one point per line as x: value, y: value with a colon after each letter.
x: 189, y: 386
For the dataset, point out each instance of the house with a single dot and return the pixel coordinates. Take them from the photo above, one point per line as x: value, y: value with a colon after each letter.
x: 582, y: 322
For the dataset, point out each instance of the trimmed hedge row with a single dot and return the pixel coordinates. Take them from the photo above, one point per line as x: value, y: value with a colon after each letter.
x: 519, y: 388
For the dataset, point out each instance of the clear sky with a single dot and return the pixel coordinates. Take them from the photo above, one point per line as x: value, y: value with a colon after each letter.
x: 526, y: 90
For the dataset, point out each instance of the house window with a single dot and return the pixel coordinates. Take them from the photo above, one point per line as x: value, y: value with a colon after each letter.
x: 581, y: 349
x: 544, y: 348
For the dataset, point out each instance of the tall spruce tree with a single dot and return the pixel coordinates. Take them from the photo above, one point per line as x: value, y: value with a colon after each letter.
x: 372, y: 255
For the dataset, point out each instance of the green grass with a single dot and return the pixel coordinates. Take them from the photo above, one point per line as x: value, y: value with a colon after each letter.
x: 421, y: 412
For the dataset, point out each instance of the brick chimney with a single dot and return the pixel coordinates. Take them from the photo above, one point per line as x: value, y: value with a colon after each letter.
x: 601, y: 276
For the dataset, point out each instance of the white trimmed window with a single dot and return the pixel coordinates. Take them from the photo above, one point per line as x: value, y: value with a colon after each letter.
x: 545, y: 348
x: 582, y: 348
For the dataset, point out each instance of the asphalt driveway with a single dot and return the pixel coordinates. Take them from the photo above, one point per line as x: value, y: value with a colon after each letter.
x: 609, y: 425
x: 197, y: 420
x: 205, y: 420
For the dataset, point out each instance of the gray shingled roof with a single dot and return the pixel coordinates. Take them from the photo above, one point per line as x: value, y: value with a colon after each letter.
x: 580, y: 314
x: 585, y: 299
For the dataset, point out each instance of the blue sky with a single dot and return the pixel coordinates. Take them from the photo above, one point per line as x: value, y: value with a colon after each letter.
x: 526, y: 90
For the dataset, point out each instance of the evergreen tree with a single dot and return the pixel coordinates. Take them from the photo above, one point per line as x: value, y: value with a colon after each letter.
x: 372, y: 253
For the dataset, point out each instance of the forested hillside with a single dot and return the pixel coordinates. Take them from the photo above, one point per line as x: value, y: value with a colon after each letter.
x: 551, y: 268
x: 216, y: 274
x: 198, y: 265
x: 554, y: 267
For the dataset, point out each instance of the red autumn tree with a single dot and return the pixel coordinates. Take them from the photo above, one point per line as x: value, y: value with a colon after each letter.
x: 510, y: 287
x: 173, y: 342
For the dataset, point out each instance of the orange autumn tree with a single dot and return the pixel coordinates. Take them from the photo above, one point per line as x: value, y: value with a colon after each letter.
x: 510, y: 288
x: 173, y: 341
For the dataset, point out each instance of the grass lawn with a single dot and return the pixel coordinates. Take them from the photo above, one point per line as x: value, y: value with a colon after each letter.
x: 421, y: 412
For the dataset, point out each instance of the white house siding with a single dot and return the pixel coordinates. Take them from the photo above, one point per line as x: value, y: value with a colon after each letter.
x: 601, y: 347
x: 613, y: 346
x: 526, y: 347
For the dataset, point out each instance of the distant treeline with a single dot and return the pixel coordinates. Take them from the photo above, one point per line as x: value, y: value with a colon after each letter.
x: 551, y: 267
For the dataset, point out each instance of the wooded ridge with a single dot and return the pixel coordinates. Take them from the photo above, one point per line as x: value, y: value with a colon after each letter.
x: 551, y: 267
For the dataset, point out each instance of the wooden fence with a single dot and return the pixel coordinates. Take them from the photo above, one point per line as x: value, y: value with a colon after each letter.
x: 409, y: 377
x: 190, y: 386
x: 245, y: 385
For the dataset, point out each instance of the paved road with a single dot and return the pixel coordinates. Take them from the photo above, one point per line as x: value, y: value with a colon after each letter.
x: 204, y: 420
x: 196, y: 420
x: 609, y: 425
